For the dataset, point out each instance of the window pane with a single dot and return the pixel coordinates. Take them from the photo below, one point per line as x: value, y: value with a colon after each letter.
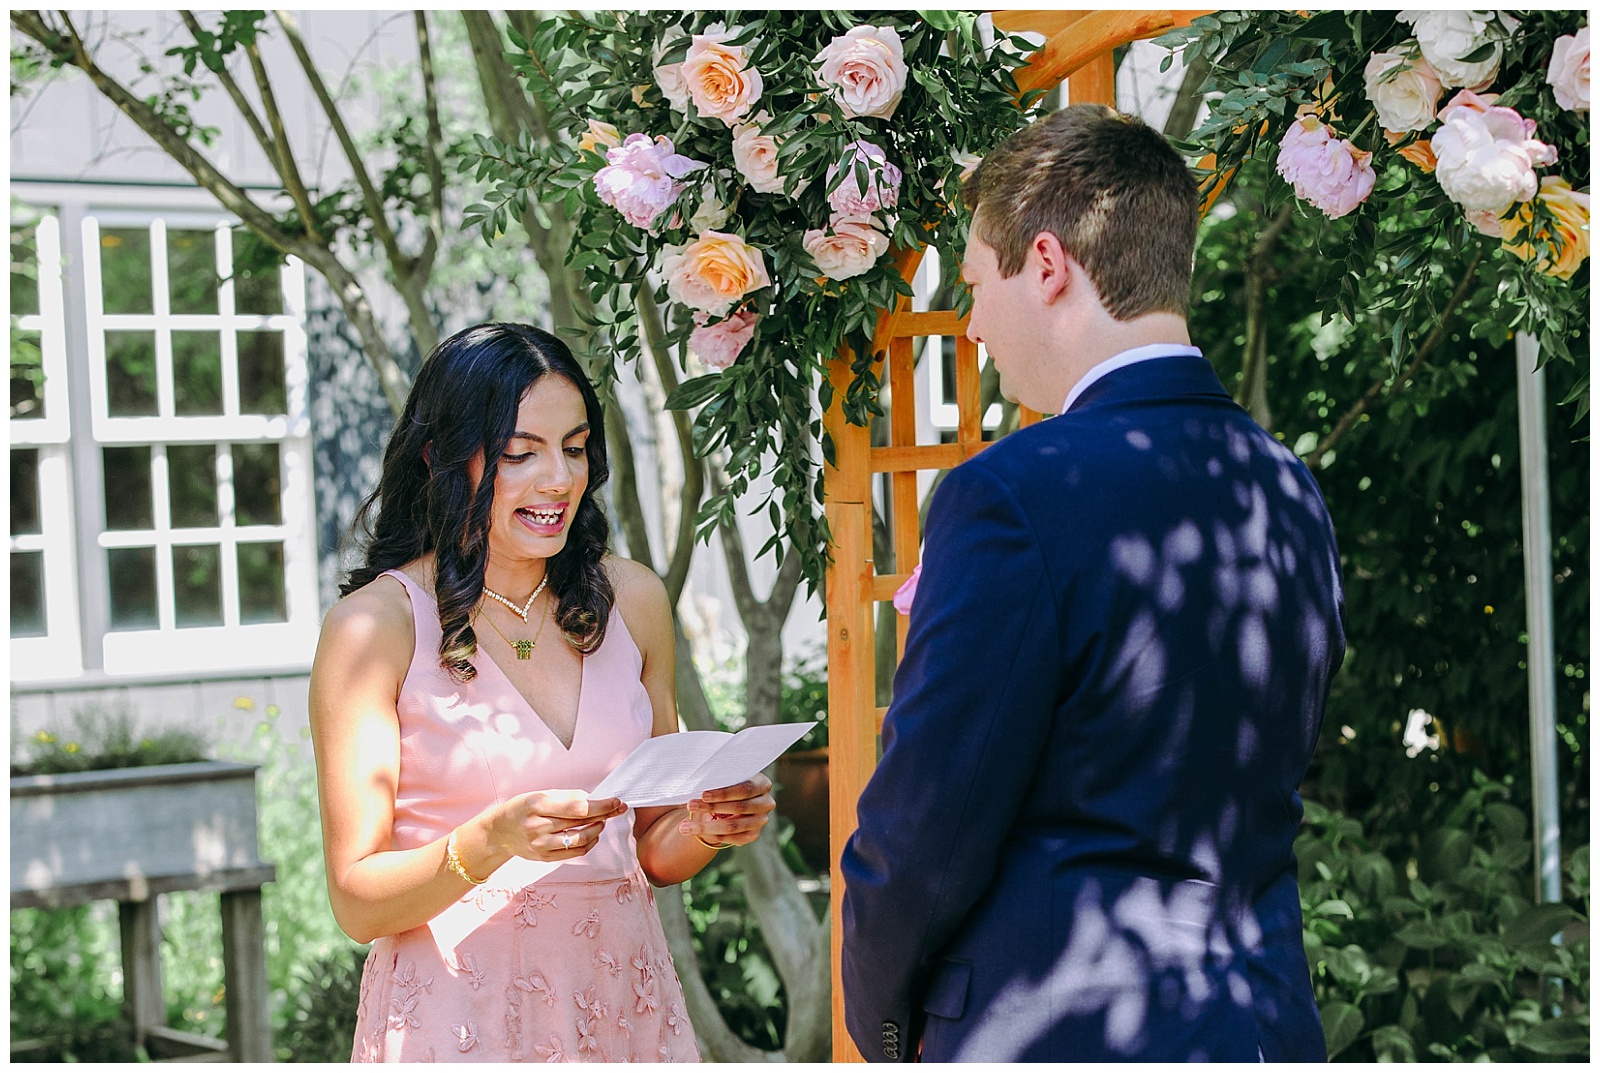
x: 127, y: 488
x: 125, y: 270
x: 261, y: 597
x: 256, y: 274
x: 192, y: 271
x: 197, y: 373
x: 24, y: 270
x: 131, y: 374
x: 27, y: 594
x: 24, y: 490
x: 192, y: 484
x: 261, y: 382
x: 133, y: 588
x: 257, y: 484
x: 27, y: 373
x: 197, y: 584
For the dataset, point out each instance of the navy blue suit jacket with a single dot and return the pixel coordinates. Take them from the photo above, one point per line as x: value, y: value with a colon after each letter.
x: 1078, y: 843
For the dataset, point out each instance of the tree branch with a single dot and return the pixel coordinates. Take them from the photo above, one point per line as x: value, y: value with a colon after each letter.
x: 433, y: 155
x: 655, y: 333
x: 1435, y: 337
x: 283, y: 162
x: 246, y: 109
x: 1253, y: 384
x: 1186, y: 105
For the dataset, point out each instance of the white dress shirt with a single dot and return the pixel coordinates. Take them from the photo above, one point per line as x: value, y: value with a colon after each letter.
x: 1122, y: 361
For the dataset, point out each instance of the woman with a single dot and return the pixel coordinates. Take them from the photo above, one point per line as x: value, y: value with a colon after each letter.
x: 487, y: 663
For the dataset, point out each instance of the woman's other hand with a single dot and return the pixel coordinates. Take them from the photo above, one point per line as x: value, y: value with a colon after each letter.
x: 551, y: 825
x: 731, y: 814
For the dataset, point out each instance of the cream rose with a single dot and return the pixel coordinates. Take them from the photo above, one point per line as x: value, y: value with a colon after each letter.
x: 719, y: 77
x: 1448, y: 37
x: 1404, y: 90
x: 853, y: 248
x: 713, y: 272
x: 599, y: 137
x: 866, y: 70
x: 669, y: 76
x: 756, y: 156
x: 1568, y: 74
x: 1571, y: 238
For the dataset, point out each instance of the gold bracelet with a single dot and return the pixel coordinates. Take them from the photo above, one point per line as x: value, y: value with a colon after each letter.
x: 713, y: 845
x: 453, y: 862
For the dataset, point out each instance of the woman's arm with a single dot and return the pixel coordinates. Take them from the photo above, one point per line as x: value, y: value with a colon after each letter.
x: 669, y: 851
x: 362, y: 657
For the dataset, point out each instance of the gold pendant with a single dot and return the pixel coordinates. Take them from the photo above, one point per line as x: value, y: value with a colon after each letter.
x: 524, y: 648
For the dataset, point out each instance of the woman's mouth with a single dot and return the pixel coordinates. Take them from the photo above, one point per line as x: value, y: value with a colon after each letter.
x: 544, y: 521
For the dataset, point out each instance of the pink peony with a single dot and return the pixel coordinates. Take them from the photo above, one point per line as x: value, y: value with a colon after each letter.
x: 883, y: 181
x: 640, y: 179
x: 907, y: 593
x: 1486, y: 222
x: 719, y: 345
x: 1329, y: 172
x: 1568, y: 74
x: 1487, y: 154
x: 853, y: 248
x: 866, y: 70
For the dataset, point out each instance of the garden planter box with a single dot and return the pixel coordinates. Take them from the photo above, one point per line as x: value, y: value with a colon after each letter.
x: 132, y: 833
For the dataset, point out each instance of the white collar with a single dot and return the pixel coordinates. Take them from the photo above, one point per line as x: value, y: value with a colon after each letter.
x: 1122, y: 361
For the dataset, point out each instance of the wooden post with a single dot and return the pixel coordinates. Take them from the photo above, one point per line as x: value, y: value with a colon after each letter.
x: 244, y: 975
x: 141, y: 967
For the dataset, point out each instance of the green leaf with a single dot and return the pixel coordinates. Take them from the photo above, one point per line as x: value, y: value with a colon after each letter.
x: 1341, y: 1025
x: 1422, y: 935
x: 692, y: 393
x: 1564, y: 1037
x: 1537, y: 925
x: 943, y: 21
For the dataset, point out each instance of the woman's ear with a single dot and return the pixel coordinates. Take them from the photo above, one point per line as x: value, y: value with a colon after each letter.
x: 427, y: 455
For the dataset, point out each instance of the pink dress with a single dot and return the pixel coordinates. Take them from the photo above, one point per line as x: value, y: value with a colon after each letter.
x: 570, y: 967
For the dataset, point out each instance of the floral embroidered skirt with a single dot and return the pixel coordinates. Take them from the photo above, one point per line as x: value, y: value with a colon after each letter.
x: 553, y: 972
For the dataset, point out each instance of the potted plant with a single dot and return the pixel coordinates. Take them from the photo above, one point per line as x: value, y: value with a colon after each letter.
x: 802, y: 775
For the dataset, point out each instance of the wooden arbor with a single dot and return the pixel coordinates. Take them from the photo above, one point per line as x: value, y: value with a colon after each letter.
x: 1078, y: 50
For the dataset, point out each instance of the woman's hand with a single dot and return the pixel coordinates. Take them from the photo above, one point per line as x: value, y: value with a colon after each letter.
x: 550, y: 825
x: 731, y: 814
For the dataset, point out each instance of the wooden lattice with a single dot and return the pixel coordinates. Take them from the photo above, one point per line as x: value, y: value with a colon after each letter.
x: 1079, y: 52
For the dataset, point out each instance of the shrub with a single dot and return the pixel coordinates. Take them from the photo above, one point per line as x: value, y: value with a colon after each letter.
x: 101, y: 738
x: 1444, y: 956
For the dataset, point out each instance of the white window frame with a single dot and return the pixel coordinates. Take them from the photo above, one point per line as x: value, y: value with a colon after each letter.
x: 59, y: 648
x: 168, y: 649
x: 941, y: 413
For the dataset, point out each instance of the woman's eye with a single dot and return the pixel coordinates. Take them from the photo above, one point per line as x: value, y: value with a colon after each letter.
x: 516, y: 458
x: 576, y: 452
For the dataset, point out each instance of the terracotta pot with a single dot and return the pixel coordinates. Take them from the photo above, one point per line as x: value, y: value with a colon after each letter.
x: 802, y: 796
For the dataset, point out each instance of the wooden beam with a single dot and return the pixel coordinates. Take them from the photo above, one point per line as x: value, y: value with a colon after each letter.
x: 1084, y: 39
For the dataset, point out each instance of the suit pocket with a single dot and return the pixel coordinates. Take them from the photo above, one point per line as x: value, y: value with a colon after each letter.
x: 947, y: 992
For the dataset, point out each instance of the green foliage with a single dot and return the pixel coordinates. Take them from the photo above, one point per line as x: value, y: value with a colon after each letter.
x: 63, y: 1006
x: 1424, y: 491
x: 1386, y: 257
x: 1443, y: 955
x: 765, y: 410
x: 101, y: 738
x: 734, y: 960
x: 805, y: 698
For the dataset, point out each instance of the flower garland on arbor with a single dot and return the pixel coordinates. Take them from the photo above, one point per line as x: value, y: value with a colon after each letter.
x: 748, y: 174
x: 1427, y: 133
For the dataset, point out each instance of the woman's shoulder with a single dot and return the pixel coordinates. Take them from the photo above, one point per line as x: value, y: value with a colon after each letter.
x: 640, y: 598
x: 378, y: 612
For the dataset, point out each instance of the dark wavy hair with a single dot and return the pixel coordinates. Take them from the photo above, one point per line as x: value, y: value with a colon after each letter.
x: 464, y: 401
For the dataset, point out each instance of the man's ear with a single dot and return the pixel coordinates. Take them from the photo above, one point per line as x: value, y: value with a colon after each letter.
x: 1050, y: 265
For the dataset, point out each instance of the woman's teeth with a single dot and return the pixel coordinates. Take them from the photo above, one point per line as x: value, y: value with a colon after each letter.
x: 543, y: 517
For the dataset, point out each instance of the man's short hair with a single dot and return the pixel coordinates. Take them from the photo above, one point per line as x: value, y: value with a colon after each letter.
x: 1112, y: 189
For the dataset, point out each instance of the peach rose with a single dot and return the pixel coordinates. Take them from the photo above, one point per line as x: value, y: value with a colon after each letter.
x: 714, y: 271
x: 599, y: 137
x: 719, y: 345
x: 1421, y: 154
x: 866, y: 70
x: 1568, y: 73
x: 1571, y: 239
x: 719, y: 77
x: 853, y: 248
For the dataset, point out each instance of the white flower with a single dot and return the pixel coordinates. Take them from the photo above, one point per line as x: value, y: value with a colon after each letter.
x: 711, y: 214
x: 853, y: 247
x: 866, y: 70
x: 1405, y: 91
x: 1448, y: 37
x: 1569, y: 71
x: 756, y: 156
x: 669, y: 76
x: 1487, y: 154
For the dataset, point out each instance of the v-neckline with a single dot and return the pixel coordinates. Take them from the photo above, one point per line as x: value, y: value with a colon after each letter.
x: 583, y: 675
x: 577, y: 714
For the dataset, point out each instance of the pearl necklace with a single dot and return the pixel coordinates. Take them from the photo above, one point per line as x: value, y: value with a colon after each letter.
x: 520, y: 612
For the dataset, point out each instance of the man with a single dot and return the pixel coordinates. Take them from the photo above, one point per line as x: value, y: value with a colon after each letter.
x: 1077, y: 845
